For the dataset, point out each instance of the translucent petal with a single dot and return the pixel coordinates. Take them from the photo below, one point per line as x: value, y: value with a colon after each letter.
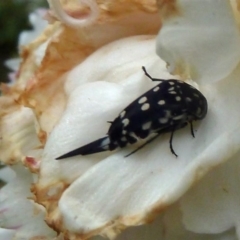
x: 175, y: 229
x: 212, y: 206
x: 38, y: 23
x: 169, y: 227
x: 193, y: 47
x: 6, y: 234
x: 18, y: 212
x: 7, y: 174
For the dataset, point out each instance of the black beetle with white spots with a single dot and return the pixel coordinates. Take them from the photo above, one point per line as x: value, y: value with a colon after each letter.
x: 167, y: 107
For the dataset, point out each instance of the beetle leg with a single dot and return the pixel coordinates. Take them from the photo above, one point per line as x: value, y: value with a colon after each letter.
x: 192, y: 132
x: 153, y: 79
x: 170, y: 142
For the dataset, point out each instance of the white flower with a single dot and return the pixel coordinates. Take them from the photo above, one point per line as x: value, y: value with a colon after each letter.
x: 38, y: 23
x: 21, y: 218
x: 84, y: 78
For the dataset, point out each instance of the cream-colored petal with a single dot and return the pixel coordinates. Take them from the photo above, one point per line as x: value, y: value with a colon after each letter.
x: 18, y: 135
x: 175, y: 229
x: 169, y: 226
x: 212, y: 206
x: 90, y: 106
x: 143, y: 183
x: 102, y: 100
x: 118, y: 66
x: 146, y: 181
x: 6, y: 234
x: 199, y: 39
x: 7, y: 174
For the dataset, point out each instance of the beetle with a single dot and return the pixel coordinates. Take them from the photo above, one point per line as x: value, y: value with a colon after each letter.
x: 167, y: 107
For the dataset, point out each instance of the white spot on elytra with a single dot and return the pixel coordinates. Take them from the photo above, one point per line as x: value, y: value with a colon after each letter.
x: 106, y: 147
x: 188, y: 99
x: 178, y: 117
x: 125, y: 121
x: 178, y: 98
x: 168, y: 114
x: 172, y: 92
x: 161, y: 102
x: 124, y: 132
x: 156, y: 89
x: 132, y: 134
x: 171, y: 88
x: 123, y: 139
x: 122, y: 114
x: 196, y: 95
x: 105, y: 142
x: 163, y: 120
x: 142, y: 100
x: 199, y: 111
x: 146, y: 126
x: 145, y: 107
x: 171, y: 83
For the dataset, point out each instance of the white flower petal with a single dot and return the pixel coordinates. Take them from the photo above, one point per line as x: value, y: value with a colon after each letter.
x: 175, y: 230
x: 195, y: 40
x: 169, y: 227
x: 18, y: 212
x: 6, y: 234
x: 212, y: 206
x: 7, y: 174
x: 13, y: 64
x: 56, y: 7
x: 117, y: 65
x: 102, y: 100
x: 148, y: 180
x: 106, y: 196
x: 38, y: 23
x: 18, y: 135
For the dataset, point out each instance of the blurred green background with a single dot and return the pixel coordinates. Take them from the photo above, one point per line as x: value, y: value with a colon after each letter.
x: 13, y: 20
